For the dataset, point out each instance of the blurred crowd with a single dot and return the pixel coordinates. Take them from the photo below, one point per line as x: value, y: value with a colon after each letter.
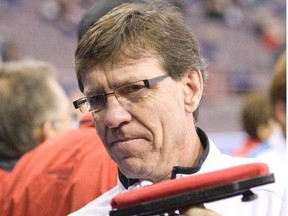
x: 260, y: 23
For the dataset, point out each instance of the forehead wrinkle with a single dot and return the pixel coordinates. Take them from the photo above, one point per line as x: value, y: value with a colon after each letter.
x: 93, y: 85
x: 101, y: 80
x: 120, y: 74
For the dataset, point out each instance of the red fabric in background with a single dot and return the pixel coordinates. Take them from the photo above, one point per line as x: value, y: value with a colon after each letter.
x: 249, y: 145
x: 199, y: 181
x: 59, y: 176
x: 3, y: 175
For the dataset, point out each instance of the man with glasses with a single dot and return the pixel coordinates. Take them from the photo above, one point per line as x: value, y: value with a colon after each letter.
x: 142, y: 76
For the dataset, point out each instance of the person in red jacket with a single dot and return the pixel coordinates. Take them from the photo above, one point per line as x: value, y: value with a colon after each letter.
x: 60, y: 176
x: 34, y: 108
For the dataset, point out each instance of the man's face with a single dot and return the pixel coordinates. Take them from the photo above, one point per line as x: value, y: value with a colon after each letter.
x: 148, y: 137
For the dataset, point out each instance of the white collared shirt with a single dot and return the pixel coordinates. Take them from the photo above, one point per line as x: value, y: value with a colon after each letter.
x: 269, y: 203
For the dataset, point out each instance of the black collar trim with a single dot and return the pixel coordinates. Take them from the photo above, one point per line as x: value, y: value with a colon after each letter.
x: 177, y: 169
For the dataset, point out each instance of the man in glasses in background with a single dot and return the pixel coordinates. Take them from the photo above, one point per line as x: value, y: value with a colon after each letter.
x: 140, y: 70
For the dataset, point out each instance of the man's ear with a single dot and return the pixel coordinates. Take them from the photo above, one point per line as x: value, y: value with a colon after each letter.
x: 193, y: 90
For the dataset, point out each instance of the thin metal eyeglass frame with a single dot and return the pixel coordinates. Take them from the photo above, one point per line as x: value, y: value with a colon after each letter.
x: 147, y: 83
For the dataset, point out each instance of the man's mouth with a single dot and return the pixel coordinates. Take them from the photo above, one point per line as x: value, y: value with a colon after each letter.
x: 123, y: 141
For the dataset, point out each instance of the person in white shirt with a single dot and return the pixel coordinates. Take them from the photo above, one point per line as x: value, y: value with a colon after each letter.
x: 142, y: 77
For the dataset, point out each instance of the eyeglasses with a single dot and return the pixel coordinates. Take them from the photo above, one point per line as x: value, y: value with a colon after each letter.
x: 132, y: 92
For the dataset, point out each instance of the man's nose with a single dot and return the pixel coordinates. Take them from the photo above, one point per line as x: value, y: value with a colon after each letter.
x: 115, y: 112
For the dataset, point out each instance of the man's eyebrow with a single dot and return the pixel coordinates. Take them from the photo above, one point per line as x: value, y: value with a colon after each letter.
x: 100, y: 90
x: 131, y: 80
x: 125, y: 81
x: 93, y: 91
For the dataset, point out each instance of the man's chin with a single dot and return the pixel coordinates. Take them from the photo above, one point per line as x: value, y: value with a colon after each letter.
x: 132, y: 170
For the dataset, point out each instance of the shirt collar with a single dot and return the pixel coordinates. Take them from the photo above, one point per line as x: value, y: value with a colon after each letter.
x: 126, y: 182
